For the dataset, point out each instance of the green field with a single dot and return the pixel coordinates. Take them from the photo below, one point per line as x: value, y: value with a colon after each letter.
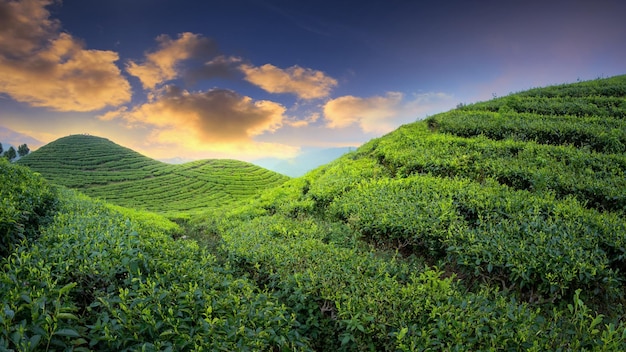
x: 499, y: 225
x: 102, y: 169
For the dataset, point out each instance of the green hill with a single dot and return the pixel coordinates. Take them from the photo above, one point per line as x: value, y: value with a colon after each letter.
x: 100, y: 168
x: 496, y: 226
x: 457, y: 231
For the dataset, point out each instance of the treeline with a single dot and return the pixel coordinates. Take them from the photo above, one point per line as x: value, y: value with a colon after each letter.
x: 11, y: 153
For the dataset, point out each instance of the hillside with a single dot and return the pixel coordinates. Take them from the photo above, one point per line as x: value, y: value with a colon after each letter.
x: 496, y: 226
x: 102, y: 169
x: 502, y: 212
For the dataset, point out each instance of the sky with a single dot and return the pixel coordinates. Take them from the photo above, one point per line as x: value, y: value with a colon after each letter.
x: 249, y: 79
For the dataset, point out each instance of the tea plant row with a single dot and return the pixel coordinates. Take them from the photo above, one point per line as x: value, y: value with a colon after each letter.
x: 596, y: 180
x: 596, y: 133
x: 100, y: 168
x: 103, y: 278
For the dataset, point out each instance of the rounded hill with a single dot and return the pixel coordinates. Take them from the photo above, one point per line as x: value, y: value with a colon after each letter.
x: 101, y: 168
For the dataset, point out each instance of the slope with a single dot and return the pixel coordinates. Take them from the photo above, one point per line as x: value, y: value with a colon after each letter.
x: 84, y: 275
x: 100, y: 168
x: 510, y: 213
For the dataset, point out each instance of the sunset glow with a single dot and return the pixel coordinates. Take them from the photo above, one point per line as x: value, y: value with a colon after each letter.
x: 248, y: 79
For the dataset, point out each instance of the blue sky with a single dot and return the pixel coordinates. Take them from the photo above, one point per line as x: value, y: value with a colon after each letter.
x: 247, y: 79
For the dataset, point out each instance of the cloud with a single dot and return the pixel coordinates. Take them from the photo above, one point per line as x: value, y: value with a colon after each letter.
x: 306, y: 121
x: 158, y: 146
x: 162, y: 65
x: 216, y: 123
x: 373, y: 114
x: 23, y: 25
x: 303, y: 82
x: 216, y: 115
x: 219, y: 67
x: 381, y: 114
x: 47, y: 68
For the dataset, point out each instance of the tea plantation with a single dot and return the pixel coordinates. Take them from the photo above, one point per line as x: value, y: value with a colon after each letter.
x: 499, y: 225
x: 102, y: 169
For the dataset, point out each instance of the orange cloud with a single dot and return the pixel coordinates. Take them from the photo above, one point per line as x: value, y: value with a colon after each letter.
x: 308, y: 120
x: 220, y: 66
x: 381, y: 114
x: 169, y: 144
x: 373, y: 114
x: 217, y: 115
x: 46, y: 68
x: 217, y: 122
x: 24, y: 25
x: 161, y: 66
x: 303, y: 82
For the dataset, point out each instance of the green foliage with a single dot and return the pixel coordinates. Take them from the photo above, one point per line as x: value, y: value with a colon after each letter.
x: 350, y: 298
x: 496, y: 226
x: 23, y: 150
x: 538, y: 244
x: 600, y: 134
x: 595, y: 179
x: 101, y: 279
x: 102, y: 169
x: 26, y: 203
x: 10, y: 154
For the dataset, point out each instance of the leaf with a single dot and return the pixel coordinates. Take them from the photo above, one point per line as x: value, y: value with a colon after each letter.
x: 402, y: 333
x: 67, y: 316
x: 10, y: 313
x: 79, y: 341
x: 26, y: 298
x: 65, y: 289
x: 346, y: 339
x: 595, y: 322
x: 67, y: 333
x: 34, y: 341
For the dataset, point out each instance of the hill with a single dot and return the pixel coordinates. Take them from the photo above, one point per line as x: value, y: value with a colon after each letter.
x: 100, y: 168
x: 501, y: 212
x: 496, y: 226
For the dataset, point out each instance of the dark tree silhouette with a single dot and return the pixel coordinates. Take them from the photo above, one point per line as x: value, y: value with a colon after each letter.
x: 23, y: 150
x: 10, y: 153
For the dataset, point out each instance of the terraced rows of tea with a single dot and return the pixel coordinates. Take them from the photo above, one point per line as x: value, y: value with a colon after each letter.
x: 517, y: 204
x: 103, y: 169
x: 497, y: 226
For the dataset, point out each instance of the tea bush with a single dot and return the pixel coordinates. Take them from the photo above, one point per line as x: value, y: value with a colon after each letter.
x: 26, y: 203
x: 103, y: 279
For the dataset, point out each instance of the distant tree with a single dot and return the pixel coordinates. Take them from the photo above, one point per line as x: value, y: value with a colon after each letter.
x: 10, y: 153
x: 1, y: 149
x: 23, y: 150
